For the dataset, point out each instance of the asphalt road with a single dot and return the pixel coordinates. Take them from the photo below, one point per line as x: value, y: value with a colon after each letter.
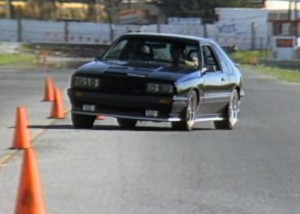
x: 254, y: 169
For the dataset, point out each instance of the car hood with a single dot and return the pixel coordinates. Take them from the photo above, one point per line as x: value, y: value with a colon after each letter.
x: 135, y: 69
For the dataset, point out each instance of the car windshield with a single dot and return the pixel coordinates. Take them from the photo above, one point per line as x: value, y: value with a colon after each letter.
x: 153, y: 50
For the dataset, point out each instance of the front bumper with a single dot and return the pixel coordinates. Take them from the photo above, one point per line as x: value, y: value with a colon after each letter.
x: 169, y: 109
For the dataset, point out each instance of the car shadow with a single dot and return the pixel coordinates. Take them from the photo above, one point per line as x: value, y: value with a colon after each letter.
x: 112, y: 128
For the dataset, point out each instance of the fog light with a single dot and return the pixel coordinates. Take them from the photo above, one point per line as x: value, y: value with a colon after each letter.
x: 151, y: 113
x: 79, y: 94
x: 88, y: 107
x: 165, y: 101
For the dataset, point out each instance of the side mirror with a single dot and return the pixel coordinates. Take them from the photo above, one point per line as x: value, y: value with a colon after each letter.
x: 204, y: 70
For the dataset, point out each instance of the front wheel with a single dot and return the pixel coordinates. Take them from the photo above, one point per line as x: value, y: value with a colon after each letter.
x: 230, y: 113
x: 81, y: 121
x: 190, y: 114
x: 126, y: 123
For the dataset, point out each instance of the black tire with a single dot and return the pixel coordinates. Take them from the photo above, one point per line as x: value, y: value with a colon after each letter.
x: 230, y: 113
x: 190, y: 114
x: 126, y: 123
x: 81, y: 121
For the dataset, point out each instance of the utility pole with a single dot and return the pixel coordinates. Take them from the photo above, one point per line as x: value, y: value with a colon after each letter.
x: 129, y: 4
x: 295, y: 26
x: 99, y: 11
x: 293, y: 10
x: 158, y: 20
x: 253, y: 36
x: 290, y: 10
x: 112, y: 18
x: 8, y: 9
x: 19, y: 23
x: 296, y: 9
x: 293, y: 15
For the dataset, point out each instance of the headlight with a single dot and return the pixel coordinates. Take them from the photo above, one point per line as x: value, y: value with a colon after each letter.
x: 160, y: 88
x: 86, y: 82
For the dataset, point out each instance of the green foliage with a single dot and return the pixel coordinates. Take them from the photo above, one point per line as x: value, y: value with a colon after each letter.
x: 6, y: 59
x: 201, y: 8
x: 248, y: 57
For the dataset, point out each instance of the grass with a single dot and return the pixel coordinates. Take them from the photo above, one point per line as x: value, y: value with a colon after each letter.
x: 249, y: 59
x: 6, y: 59
x: 280, y: 73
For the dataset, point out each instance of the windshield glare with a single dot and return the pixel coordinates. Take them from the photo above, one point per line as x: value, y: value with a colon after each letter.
x: 153, y: 50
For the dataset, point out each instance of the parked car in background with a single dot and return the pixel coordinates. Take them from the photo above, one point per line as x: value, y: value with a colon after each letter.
x: 158, y: 77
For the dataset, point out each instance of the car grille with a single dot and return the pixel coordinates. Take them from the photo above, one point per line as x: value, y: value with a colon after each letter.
x: 123, y: 85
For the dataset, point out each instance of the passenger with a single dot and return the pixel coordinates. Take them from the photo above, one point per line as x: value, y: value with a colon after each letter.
x: 142, y: 52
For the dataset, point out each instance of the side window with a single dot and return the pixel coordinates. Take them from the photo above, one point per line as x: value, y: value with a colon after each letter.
x: 226, y: 62
x: 210, y: 59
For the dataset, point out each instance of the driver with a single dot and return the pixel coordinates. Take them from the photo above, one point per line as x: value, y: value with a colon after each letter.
x: 178, y: 56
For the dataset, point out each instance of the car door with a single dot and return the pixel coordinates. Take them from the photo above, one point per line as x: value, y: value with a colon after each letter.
x: 215, y: 81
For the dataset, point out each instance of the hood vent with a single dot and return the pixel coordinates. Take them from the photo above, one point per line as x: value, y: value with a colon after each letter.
x: 115, y: 73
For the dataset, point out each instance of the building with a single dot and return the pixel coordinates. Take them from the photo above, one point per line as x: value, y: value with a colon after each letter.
x: 283, y: 9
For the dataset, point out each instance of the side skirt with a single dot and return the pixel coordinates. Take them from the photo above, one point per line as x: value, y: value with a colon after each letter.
x: 212, y: 117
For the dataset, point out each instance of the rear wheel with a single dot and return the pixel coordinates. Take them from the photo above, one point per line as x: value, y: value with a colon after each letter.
x: 230, y: 113
x: 190, y: 114
x: 126, y: 123
x: 81, y: 121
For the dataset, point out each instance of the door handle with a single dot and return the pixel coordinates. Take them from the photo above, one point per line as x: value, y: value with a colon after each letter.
x: 223, y: 79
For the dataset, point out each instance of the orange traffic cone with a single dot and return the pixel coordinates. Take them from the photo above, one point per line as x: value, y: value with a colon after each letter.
x: 49, y: 89
x: 101, y: 117
x: 30, y: 197
x: 58, y: 109
x: 21, y: 135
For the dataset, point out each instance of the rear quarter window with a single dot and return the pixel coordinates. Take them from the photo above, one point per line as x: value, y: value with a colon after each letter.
x: 226, y: 62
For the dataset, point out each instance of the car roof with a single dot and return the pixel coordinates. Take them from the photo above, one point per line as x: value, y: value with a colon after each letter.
x: 169, y: 35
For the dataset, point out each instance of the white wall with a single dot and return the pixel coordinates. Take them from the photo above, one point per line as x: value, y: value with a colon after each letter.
x: 38, y: 31
x: 8, y: 30
x: 234, y: 28
x: 225, y: 14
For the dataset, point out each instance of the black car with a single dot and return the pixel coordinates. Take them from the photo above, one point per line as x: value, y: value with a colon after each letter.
x: 158, y: 77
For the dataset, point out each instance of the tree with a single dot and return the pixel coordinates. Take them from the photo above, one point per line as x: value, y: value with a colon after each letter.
x: 112, y: 9
x: 91, y: 11
x: 8, y: 9
x: 40, y: 9
x: 201, y: 8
